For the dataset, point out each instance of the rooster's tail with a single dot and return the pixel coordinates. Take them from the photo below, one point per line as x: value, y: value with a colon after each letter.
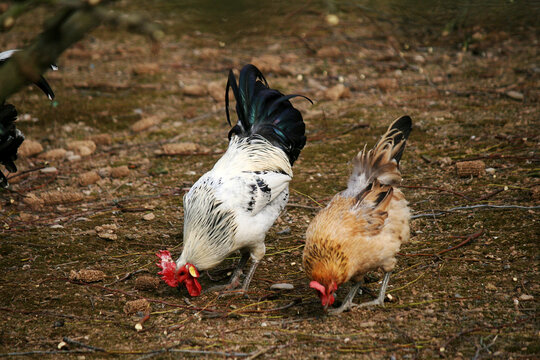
x: 382, y: 162
x: 10, y: 140
x: 265, y: 112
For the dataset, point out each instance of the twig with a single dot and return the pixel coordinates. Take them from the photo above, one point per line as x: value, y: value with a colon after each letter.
x: 127, y: 276
x: 45, y: 352
x: 437, y: 189
x: 468, y: 238
x: 80, y: 344
x: 26, y: 172
x: 303, y: 206
x: 464, y: 242
x: 470, y: 207
x: 479, y: 328
x: 134, y: 295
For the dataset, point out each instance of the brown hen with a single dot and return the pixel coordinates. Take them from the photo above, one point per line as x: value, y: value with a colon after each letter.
x: 363, y: 227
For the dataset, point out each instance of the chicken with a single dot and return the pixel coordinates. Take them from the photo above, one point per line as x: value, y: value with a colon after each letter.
x: 11, y: 137
x: 232, y: 206
x: 362, y: 227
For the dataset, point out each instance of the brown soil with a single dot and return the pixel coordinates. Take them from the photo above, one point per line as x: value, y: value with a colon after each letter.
x: 474, y: 101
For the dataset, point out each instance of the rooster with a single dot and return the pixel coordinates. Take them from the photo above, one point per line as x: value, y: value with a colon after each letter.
x: 363, y: 226
x: 11, y: 137
x: 232, y: 206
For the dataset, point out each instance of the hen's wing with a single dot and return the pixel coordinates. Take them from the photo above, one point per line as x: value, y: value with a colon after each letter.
x: 371, y: 205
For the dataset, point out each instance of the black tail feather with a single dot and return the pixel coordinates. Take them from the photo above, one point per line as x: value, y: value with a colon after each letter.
x: 45, y: 87
x: 10, y: 140
x: 265, y: 112
x: 402, y: 127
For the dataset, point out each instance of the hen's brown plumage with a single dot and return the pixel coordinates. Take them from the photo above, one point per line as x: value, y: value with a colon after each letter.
x: 363, y: 227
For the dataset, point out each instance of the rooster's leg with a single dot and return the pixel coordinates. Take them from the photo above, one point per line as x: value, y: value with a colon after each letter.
x: 348, y: 301
x: 380, y: 299
x: 235, y: 277
x: 249, y: 276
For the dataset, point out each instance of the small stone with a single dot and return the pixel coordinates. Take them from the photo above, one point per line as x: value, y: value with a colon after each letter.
x: 194, y: 90
x: 268, y: 63
x: 49, y: 170
x: 332, y: 19
x: 135, y: 306
x: 516, y: 95
x: 207, y: 53
x: 525, y: 297
x: 88, y: 178
x: 73, y: 158
x: 107, y: 236
x: 216, y: 90
x: 145, y: 123
x: 387, y: 84
x: 490, y: 171
x: 106, y: 227
x: 336, y: 92
x: 185, y: 148
x: 491, y: 287
x: 53, y: 154
x: 138, y: 327
x: 149, y: 216
x: 57, y: 226
x: 105, y: 172
x: 146, y: 69
x: 368, y: 324
x: 284, y: 231
x: 62, y: 345
x: 102, y: 139
x: 419, y: 59
x: 82, y: 147
x: 329, y: 52
x: 282, y: 286
x: 87, y: 275
x: 120, y: 171
x: 29, y: 148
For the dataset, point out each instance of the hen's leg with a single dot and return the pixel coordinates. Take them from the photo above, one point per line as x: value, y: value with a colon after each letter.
x: 348, y: 301
x: 380, y: 299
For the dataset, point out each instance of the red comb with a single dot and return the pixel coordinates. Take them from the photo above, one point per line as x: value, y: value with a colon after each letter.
x: 317, y: 286
x: 168, y: 268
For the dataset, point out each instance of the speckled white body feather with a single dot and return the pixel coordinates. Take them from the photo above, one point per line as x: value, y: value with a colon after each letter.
x: 232, y: 206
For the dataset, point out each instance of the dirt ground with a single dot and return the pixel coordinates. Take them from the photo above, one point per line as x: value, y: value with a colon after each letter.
x: 466, y: 285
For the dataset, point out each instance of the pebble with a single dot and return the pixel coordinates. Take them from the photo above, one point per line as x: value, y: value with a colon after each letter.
x: 57, y: 226
x: 336, y: 92
x: 119, y: 171
x: 284, y: 231
x: 525, y: 297
x: 53, y: 154
x: 30, y: 147
x: 149, y: 216
x: 282, y: 286
x: 48, y: 170
x: 73, y: 158
x: 516, y: 95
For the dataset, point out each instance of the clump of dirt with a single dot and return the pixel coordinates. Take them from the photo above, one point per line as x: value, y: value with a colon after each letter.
x: 88, y: 276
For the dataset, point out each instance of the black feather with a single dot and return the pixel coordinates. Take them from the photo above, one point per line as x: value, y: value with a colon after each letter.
x: 265, y: 112
x: 402, y: 127
x: 10, y: 140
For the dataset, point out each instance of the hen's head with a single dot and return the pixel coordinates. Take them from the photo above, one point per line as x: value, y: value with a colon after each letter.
x: 173, y: 276
x: 326, y: 293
